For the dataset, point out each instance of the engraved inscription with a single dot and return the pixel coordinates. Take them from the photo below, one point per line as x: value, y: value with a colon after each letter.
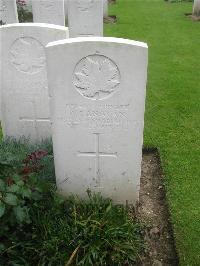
x: 2, y: 12
x: 97, y: 154
x: 27, y: 55
x: 99, y: 117
x: 84, y: 5
x: 96, y: 77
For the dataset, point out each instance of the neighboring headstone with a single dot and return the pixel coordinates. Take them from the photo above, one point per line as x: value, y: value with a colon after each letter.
x: 49, y: 11
x: 196, y: 8
x: 25, y: 97
x: 98, y: 99
x: 8, y: 12
x: 105, y: 8
x: 85, y: 18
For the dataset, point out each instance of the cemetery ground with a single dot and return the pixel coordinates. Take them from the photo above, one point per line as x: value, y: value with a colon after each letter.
x: 172, y: 106
x: 39, y: 224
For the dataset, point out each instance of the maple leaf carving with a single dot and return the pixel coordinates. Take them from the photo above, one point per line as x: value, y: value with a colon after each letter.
x: 27, y: 55
x: 97, y: 78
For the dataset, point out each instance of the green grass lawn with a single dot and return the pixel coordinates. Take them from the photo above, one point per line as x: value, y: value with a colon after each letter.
x: 172, y: 120
x: 37, y: 223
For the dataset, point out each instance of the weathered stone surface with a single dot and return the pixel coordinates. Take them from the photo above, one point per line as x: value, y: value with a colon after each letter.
x: 49, y: 11
x: 8, y: 11
x: 85, y: 18
x: 98, y: 98
x: 24, y: 90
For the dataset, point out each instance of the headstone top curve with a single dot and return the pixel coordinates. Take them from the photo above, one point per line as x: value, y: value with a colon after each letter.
x: 98, y: 39
x: 34, y: 25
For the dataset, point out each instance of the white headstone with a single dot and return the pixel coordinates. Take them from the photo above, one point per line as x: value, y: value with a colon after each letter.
x: 85, y: 18
x: 98, y: 102
x: 8, y: 11
x: 105, y: 8
x: 196, y: 8
x: 49, y: 11
x: 25, y: 97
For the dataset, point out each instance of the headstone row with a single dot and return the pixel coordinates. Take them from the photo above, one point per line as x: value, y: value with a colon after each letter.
x: 85, y: 17
x: 87, y: 93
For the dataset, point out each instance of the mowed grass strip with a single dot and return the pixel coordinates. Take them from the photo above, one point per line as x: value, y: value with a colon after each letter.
x: 172, y: 120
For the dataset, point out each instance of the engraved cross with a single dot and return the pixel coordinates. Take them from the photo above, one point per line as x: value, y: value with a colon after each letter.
x: 35, y: 121
x: 97, y: 154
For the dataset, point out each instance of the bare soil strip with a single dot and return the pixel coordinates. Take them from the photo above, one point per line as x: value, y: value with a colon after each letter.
x: 153, y: 212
